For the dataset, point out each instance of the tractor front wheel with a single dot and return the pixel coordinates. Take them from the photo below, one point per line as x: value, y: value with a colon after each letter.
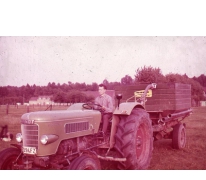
x: 8, y: 157
x: 85, y: 162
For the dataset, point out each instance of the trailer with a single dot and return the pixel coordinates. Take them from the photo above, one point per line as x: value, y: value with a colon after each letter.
x: 168, y: 104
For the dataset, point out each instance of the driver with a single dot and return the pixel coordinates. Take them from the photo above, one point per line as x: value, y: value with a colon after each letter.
x: 106, y: 102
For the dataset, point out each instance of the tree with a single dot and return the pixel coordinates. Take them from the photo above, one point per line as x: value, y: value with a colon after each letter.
x: 149, y: 75
x: 172, y: 78
x: 201, y: 79
x: 75, y: 96
x: 112, y: 85
x: 3, y: 91
x: 38, y: 91
x: 60, y: 97
x: 196, y: 90
x: 126, y: 80
x: 11, y: 91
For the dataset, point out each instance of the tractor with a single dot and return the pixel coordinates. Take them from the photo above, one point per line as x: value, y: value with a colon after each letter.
x: 69, y: 139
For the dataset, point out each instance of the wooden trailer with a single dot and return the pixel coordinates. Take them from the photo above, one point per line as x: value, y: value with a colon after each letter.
x: 168, y: 104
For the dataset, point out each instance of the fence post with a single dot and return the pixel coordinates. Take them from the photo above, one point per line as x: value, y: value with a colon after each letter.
x: 27, y: 108
x: 7, y: 109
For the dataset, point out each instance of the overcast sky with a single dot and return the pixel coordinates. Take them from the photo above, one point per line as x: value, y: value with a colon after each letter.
x: 40, y: 60
x: 97, y: 41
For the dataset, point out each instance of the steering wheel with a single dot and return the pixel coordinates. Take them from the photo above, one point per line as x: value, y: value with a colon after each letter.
x: 91, y: 105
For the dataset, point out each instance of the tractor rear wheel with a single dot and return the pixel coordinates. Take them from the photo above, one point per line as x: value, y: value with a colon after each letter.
x: 134, y: 140
x: 179, y: 136
x: 85, y: 162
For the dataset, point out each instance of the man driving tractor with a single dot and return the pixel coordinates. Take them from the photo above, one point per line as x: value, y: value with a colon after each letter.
x: 107, y: 109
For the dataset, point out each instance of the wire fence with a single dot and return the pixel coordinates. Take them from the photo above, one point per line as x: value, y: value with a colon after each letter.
x: 13, y: 109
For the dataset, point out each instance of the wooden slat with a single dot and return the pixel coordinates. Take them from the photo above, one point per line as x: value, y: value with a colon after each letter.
x: 166, y: 97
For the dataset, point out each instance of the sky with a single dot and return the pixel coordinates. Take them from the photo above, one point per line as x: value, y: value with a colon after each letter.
x: 87, y: 41
x: 42, y: 59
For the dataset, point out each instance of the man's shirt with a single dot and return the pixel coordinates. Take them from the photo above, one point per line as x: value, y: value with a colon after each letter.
x: 106, y: 101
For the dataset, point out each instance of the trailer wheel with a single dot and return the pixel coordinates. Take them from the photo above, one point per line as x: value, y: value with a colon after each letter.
x: 179, y: 136
x: 7, y: 157
x: 85, y: 162
x: 134, y: 140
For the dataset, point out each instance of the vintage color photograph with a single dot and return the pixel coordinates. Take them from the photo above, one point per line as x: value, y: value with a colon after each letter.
x: 92, y: 100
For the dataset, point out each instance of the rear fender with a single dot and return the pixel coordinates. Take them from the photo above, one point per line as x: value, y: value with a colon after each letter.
x: 126, y: 108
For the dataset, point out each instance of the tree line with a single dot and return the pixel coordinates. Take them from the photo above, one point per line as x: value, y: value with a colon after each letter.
x: 74, y: 92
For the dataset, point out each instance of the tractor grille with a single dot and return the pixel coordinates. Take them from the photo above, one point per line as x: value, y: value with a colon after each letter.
x: 30, y: 135
x: 75, y: 127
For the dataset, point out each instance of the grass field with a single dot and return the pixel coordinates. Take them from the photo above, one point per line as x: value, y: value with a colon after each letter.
x: 192, y: 157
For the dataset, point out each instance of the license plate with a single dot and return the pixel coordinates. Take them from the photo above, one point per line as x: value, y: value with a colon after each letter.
x: 29, y: 150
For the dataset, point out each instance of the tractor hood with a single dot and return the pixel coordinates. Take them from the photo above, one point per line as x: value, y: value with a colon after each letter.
x: 58, y: 115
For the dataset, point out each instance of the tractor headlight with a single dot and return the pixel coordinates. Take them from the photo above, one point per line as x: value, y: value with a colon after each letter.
x: 19, y: 137
x: 46, y: 139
